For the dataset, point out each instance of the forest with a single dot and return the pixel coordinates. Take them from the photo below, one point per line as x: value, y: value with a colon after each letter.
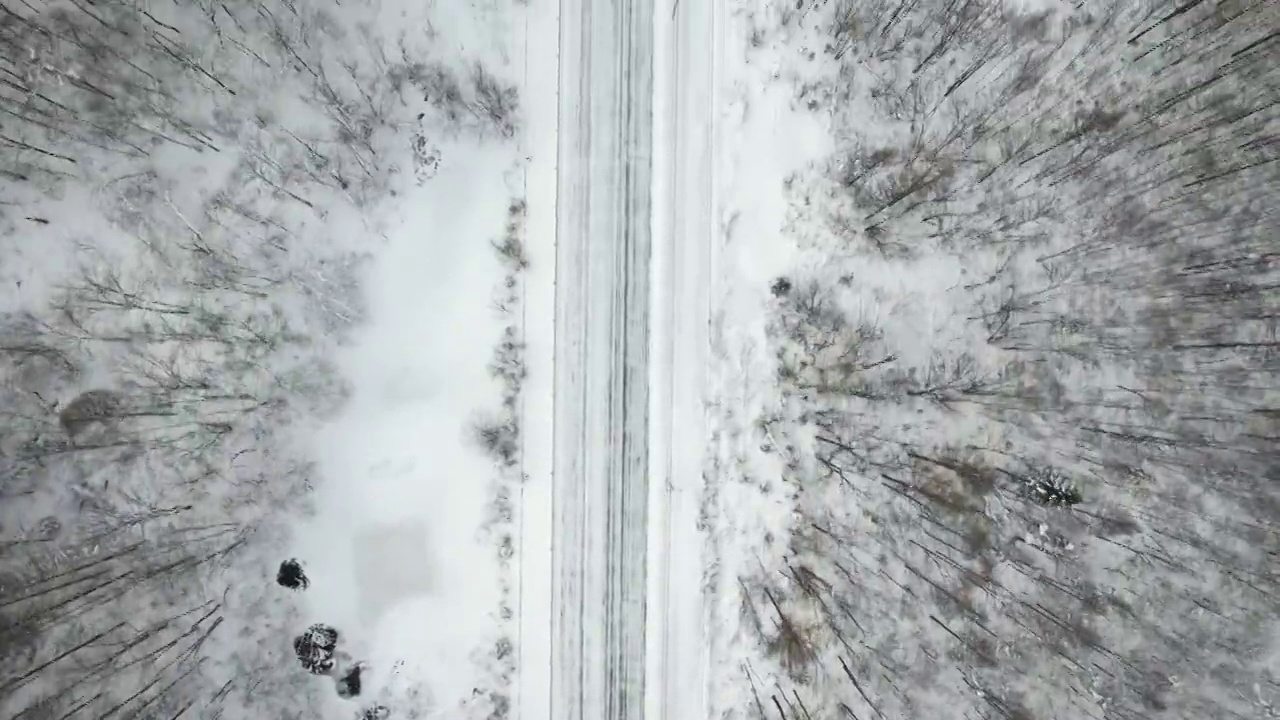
x: 1026, y: 408
x: 187, y: 193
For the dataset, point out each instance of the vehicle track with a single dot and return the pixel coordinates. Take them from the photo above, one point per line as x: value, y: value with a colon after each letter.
x: 686, y: 240
x: 600, y: 466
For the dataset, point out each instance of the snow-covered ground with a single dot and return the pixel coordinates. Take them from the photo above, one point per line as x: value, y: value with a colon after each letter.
x: 535, y: 560
x: 641, y: 391
x: 330, y: 216
x: 947, y: 342
x: 394, y: 549
x: 403, y: 548
x: 602, y: 355
x: 688, y: 68
x: 752, y: 248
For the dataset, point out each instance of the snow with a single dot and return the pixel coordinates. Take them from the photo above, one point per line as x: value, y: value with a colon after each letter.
x: 754, y: 248
x: 601, y: 368
x: 398, y: 536
x: 541, y: 102
x: 393, y: 549
x: 685, y: 192
x: 731, y: 488
x: 773, y: 506
x: 666, y: 477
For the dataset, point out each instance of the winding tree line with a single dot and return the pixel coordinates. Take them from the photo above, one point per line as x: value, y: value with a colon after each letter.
x: 1070, y: 506
x: 148, y: 398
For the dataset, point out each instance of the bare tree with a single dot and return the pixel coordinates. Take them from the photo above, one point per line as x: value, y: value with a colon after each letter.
x: 1063, y: 503
x: 144, y: 403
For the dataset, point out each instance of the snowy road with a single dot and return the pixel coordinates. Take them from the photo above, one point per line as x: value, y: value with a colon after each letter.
x: 600, y: 465
x: 685, y: 242
x: 611, y: 554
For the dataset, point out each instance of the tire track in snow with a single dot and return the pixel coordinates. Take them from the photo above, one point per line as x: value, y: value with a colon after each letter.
x: 601, y: 378
x: 685, y: 241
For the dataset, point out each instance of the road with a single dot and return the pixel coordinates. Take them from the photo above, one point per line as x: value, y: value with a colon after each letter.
x: 685, y: 222
x: 630, y: 235
x: 601, y: 452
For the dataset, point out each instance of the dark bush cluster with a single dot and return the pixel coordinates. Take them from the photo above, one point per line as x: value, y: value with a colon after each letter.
x: 349, y: 683
x: 1052, y: 489
x: 291, y: 575
x: 315, y: 649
